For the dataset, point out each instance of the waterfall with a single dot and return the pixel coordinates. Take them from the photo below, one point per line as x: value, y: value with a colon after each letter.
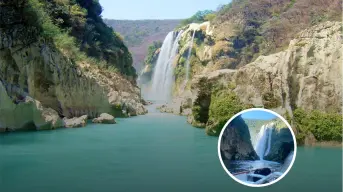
x: 269, y: 130
x: 287, y: 161
x: 188, y: 57
x: 162, y: 80
x: 263, y: 140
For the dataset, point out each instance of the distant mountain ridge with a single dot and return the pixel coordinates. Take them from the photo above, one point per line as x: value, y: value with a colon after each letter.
x: 139, y: 34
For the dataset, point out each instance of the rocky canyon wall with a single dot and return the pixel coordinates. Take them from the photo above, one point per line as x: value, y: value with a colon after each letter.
x: 36, y: 76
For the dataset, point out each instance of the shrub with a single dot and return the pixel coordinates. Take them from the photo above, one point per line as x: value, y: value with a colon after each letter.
x: 78, y: 11
x: 324, y: 126
x: 179, y: 72
x: 199, y: 17
x: 151, y: 52
x: 210, y: 17
x: 223, y: 106
x: 77, y: 30
x: 36, y: 16
x: 310, y: 52
x: 270, y: 101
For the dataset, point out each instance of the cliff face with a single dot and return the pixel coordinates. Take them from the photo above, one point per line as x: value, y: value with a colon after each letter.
x: 282, y: 145
x: 305, y: 75
x: 236, y: 143
x: 32, y: 67
x: 146, y: 75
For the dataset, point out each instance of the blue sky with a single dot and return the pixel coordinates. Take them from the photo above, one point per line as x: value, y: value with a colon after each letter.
x: 156, y: 9
x: 258, y: 115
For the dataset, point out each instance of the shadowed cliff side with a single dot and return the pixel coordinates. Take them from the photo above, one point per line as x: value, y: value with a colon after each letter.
x: 236, y: 143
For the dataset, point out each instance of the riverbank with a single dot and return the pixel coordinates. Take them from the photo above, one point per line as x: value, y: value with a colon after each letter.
x: 326, y: 144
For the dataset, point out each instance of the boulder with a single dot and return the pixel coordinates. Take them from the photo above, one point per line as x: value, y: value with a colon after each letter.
x: 50, y: 115
x: 186, y: 112
x: 75, y: 122
x: 26, y: 113
x: 165, y: 109
x: 126, y: 104
x: 236, y: 142
x: 105, y: 119
x: 310, y: 140
x: 262, y: 171
x: 193, y: 122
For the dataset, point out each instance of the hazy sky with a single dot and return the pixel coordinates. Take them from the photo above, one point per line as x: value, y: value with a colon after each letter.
x: 156, y: 9
x: 258, y: 115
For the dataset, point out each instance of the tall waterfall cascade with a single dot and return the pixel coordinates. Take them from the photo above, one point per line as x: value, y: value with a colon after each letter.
x: 162, y: 80
x: 189, y: 56
x: 263, y: 140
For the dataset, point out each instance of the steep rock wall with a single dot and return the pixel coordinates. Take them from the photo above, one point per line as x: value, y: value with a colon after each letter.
x: 31, y: 66
x: 306, y: 75
x: 236, y: 143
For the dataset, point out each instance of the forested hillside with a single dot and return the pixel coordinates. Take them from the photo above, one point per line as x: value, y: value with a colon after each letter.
x: 81, y: 19
x: 138, y: 35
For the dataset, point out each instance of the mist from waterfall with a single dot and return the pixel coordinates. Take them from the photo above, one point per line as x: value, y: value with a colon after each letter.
x: 188, y: 57
x: 162, y: 80
x: 263, y: 140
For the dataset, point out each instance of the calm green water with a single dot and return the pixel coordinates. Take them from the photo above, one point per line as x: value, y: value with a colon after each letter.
x: 156, y: 152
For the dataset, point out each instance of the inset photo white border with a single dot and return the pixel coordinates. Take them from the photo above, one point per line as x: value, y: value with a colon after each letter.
x: 249, y: 184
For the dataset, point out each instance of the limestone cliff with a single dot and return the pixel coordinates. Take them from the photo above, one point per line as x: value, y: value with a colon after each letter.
x: 32, y: 67
x: 305, y: 75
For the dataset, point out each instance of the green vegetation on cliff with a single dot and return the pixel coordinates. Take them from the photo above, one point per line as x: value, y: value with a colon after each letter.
x: 324, y: 126
x: 199, y: 17
x: 150, y: 59
x: 251, y: 28
x: 59, y: 60
x: 77, y: 29
x: 223, y: 106
x: 150, y: 62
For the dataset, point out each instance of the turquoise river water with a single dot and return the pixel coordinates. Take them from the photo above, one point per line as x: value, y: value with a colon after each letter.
x: 155, y: 152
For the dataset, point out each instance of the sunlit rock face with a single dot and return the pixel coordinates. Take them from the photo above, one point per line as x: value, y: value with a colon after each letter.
x: 306, y: 75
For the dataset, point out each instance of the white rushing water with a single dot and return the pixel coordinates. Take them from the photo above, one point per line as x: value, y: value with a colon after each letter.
x: 162, y: 80
x: 287, y: 161
x: 263, y: 140
x: 188, y: 57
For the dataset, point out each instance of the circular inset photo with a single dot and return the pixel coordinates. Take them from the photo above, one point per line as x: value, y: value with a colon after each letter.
x: 257, y: 147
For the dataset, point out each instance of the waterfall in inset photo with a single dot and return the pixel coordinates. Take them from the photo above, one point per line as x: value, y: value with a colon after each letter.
x: 263, y: 140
